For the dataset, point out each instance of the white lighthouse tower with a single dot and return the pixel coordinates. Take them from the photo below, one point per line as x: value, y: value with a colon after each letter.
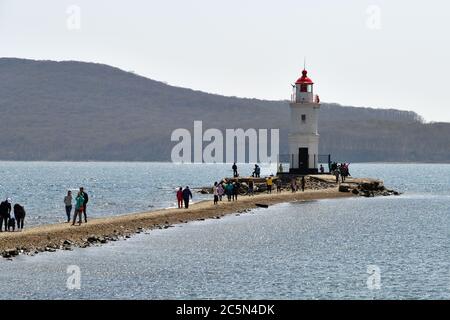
x: 303, y: 131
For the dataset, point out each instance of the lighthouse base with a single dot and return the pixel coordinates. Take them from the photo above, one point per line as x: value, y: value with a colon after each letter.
x: 303, y: 171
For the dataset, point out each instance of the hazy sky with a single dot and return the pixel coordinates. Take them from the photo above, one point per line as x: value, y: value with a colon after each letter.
x: 362, y: 53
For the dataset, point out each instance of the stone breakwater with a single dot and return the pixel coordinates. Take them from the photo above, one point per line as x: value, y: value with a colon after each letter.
x: 49, y: 238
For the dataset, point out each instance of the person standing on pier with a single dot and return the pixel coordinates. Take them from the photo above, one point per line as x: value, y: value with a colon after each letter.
x: 278, y: 183
x: 187, y: 194
x: 220, y: 191
x: 251, y: 186
x: 215, y: 193
x: 293, y: 185
x: 79, y: 200
x: 229, y: 190
x: 68, y: 204
x: 86, y: 199
x: 5, y: 213
x: 269, y: 183
x: 336, y: 173
x: 19, y: 214
x: 180, y: 198
x: 235, y: 172
x: 236, y: 186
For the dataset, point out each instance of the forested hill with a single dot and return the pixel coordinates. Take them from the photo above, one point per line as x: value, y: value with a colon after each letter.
x: 84, y: 111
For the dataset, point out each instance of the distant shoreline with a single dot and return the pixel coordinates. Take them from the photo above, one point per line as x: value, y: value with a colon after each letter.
x: 101, y: 230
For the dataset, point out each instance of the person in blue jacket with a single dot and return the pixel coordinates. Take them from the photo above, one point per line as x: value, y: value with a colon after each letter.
x: 187, y: 194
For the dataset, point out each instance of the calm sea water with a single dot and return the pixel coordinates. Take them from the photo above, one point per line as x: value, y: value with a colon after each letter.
x: 312, y: 250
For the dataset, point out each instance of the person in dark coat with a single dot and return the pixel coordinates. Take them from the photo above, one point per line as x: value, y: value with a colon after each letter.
x: 303, y: 183
x: 234, y: 167
x: 5, y: 213
x: 86, y: 199
x: 19, y: 214
x: 187, y: 194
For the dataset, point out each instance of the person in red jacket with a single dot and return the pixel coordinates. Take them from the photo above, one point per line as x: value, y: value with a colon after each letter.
x: 180, y: 198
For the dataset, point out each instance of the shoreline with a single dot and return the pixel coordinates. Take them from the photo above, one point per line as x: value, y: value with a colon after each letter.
x: 64, y: 236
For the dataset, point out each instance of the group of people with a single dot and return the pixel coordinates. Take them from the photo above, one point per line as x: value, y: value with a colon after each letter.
x: 81, y: 201
x: 8, y: 220
x: 228, y: 188
x: 183, y: 197
x: 340, y: 170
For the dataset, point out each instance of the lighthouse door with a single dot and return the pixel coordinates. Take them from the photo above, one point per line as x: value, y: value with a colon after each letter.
x: 303, y: 159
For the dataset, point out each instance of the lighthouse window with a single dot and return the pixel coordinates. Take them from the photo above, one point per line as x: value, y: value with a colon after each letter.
x: 303, y: 117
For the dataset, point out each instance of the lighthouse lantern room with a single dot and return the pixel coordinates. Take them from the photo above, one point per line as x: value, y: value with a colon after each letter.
x: 303, y: 129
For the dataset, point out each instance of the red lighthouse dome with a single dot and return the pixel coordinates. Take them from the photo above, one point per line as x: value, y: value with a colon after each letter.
x: 304, y: 79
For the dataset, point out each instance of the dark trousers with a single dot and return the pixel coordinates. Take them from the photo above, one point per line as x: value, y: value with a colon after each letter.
x: 4, y: 219
x: 20, y: 223
x: 77, y: 212
x: 68, y: 211
x: 186, y: 203
x: 84, y: 212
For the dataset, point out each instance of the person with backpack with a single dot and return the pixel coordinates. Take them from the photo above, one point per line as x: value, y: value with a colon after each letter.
x: 79, y: 201
x: 19, y: 214
x: 187, y: 194
x: 5, y: 212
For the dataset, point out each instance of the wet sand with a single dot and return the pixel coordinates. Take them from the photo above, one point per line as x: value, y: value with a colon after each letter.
x: 102, y: 230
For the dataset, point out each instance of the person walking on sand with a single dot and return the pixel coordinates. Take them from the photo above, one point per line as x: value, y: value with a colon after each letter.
x: 187, y: 194
x: 5, y: 212
x: 269, y: 183
x: 180, y: 198
x: 86, y: 199
x: 79, y: 201
x: 235, y: 172
x: 68, y: 204
x: 19, y: 214
x: 303, y: 183
x: 220, y: 191
x: 215, y: 193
